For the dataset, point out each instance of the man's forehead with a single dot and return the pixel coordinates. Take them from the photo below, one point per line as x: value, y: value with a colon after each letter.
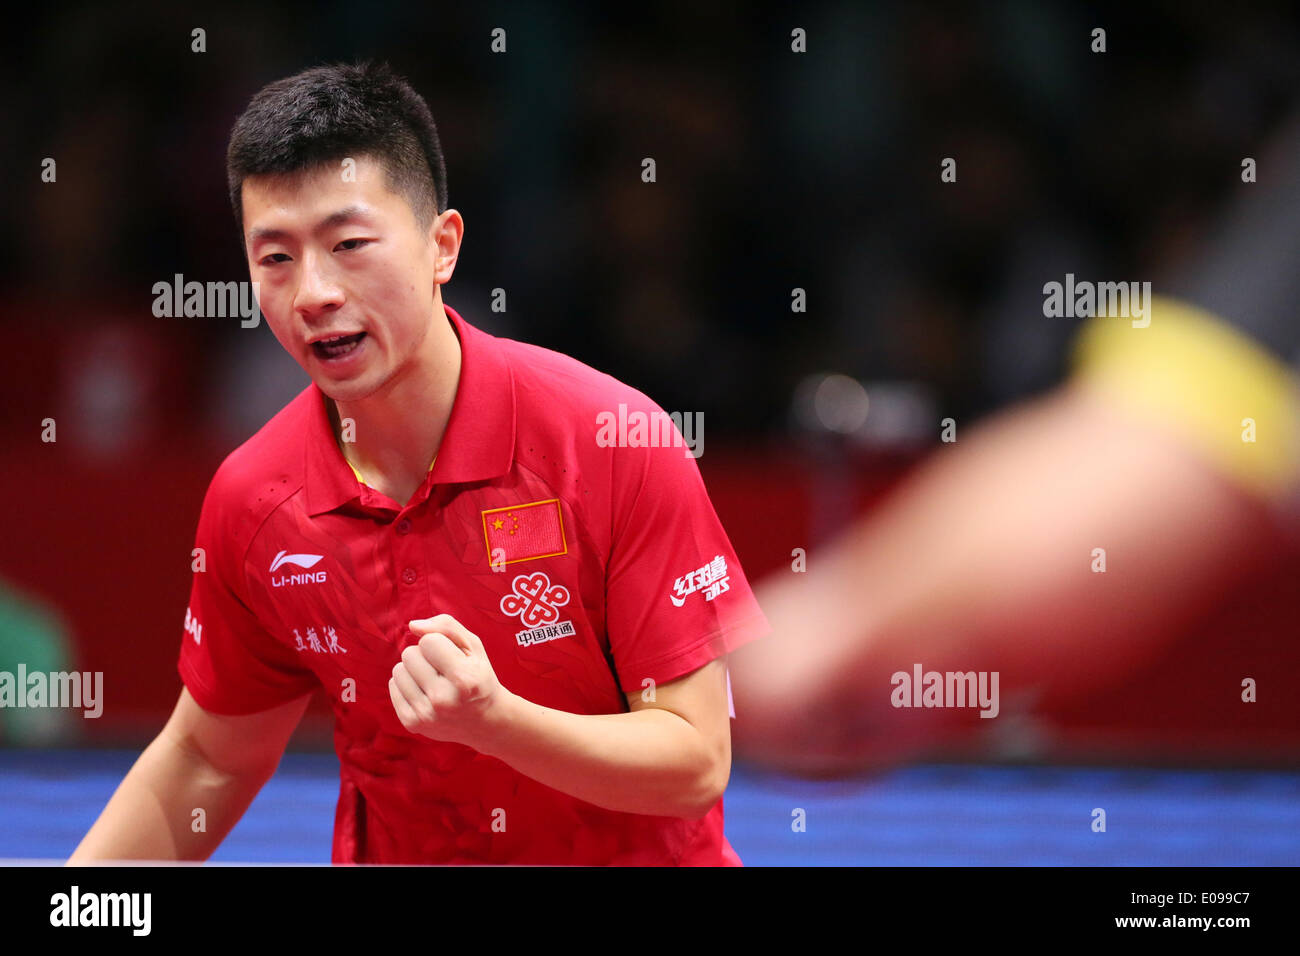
x: 325, y: 195
x: 348, y: 172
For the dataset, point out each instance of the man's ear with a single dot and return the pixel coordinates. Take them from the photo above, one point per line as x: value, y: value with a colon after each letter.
x: 445, y: 235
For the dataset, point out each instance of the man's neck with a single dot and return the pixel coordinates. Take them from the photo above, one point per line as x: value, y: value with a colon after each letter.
x: 397, y: 430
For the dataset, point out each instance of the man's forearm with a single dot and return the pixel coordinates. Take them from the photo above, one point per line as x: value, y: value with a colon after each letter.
x: 646, y: 761
x: 151, y: 815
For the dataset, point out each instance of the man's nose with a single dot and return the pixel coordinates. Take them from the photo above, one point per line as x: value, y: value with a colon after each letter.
x: 318, y: 290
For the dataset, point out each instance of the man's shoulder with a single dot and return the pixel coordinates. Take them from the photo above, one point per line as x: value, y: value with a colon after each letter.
x: 264, y: 471
x: 547, y: 381
x: 612, y: 428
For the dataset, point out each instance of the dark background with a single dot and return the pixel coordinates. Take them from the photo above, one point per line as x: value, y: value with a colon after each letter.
x: 776, y: 170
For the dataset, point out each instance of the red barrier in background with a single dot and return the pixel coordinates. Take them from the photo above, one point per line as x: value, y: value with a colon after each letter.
x: 110, y: 547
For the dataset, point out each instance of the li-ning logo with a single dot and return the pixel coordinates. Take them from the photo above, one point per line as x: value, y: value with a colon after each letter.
x: 305, y: 561
x: 537, y: 604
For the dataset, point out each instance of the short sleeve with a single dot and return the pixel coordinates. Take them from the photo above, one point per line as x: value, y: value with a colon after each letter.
x: 676, y: 597
x: 228, y: 660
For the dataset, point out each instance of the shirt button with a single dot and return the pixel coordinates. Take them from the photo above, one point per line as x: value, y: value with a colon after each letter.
x: 409, y: 575
x: 404, y: 526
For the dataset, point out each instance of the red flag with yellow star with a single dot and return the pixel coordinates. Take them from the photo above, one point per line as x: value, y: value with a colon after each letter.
x: 522, y: 532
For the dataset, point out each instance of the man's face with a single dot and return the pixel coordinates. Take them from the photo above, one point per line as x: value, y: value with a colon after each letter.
x: 338, y: 257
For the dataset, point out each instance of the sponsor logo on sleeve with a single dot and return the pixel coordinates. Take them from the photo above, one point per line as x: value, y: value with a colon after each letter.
x: 192, y: 626
x: 712, y: 579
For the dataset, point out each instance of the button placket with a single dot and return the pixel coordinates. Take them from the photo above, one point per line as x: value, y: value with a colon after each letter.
x: 405, y: 552
x: 402, y: 528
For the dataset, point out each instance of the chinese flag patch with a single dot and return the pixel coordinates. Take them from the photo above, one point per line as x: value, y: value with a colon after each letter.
x: 522, y: 532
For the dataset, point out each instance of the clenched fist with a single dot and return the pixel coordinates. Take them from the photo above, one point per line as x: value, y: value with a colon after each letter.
x: 444, y: 686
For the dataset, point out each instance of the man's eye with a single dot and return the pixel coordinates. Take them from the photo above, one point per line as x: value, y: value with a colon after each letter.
x: 267, y: 260
x: 359, y: 242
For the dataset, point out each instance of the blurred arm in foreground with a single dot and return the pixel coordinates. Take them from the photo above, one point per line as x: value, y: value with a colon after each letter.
x: 984, y: 559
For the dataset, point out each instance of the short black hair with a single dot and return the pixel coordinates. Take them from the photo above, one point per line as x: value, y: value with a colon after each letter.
x: 326, y: 113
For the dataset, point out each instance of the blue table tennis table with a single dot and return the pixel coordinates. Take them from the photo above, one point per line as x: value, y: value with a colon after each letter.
x: 925, y: 815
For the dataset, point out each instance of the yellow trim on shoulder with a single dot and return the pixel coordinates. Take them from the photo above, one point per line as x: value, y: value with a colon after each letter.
x: 1202, y: 377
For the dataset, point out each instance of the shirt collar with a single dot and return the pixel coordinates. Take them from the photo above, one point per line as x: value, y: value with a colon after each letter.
x: 478, y: 444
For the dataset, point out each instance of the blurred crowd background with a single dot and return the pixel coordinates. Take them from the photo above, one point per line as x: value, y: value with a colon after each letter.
x: 775, y: 171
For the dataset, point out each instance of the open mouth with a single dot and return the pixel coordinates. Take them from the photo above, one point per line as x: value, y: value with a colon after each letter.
x: 338, y: 346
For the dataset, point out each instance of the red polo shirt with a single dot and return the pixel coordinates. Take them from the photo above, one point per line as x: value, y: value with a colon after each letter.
x: 585, y: 567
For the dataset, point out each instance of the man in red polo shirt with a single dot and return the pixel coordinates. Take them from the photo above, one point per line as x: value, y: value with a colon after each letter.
x: 519, y: 611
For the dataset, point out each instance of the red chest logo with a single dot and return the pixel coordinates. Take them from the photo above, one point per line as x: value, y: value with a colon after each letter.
x: 534, y: 600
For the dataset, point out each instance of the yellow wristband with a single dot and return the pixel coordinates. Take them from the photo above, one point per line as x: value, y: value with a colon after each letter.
x: 1191, y: 371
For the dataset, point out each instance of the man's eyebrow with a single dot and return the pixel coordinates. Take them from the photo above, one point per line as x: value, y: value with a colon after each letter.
x: 344, y: 216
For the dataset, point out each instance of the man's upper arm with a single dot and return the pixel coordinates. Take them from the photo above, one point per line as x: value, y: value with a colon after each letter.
x: 676, y: 597
x: 245, y: 745
x: 699, y: 698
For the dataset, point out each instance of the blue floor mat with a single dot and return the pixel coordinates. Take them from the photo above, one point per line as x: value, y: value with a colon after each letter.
x: 914, y: 816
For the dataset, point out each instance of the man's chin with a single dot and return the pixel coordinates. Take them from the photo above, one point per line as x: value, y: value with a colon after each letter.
x: 353, y: 390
